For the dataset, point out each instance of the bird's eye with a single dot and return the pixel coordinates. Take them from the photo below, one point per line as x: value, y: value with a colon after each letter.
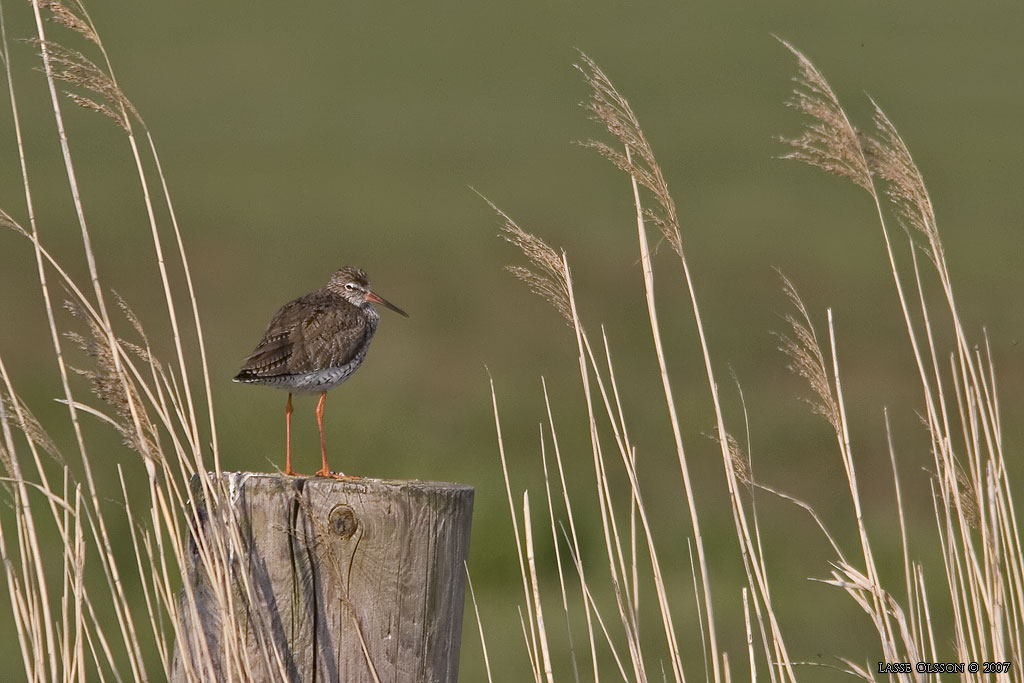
x: 351, y: 286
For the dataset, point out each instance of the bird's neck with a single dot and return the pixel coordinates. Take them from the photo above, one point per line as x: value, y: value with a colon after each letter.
x: 372, y: 316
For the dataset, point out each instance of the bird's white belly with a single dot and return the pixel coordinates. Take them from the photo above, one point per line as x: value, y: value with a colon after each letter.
x: 321, y: 380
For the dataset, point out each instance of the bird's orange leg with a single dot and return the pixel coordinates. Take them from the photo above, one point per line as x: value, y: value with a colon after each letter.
x: 324, y: 471
x: 288, y: 437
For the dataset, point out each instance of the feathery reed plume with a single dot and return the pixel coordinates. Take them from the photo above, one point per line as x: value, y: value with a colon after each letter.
x: 7, y: 222
x: 136, y: 324
x: 968, y: 498
x: 113, y: 387
x: 611, y: 109
x: 829, y: 141
x: 550, y: 281
x: 889, y: 159
x: 805, y: 356
x: 69, y: 19
x: 740, y: 461
x: 738, y: 458
x: 23, y: 418
x: 74, y: 68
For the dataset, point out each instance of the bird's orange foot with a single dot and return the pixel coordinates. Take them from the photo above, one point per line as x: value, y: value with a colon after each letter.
x: 292, y: 473
x: 324, y: 472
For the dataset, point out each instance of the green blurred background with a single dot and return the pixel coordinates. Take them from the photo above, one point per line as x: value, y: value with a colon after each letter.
x: 300, y: 138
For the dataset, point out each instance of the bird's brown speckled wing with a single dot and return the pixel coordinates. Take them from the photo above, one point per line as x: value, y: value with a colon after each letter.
x: 312, y: 333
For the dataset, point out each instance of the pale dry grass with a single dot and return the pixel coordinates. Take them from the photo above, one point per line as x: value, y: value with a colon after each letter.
x: 58, y: 591
x: 600, y: 389
x: 975, y: 525
x: 975, y: 520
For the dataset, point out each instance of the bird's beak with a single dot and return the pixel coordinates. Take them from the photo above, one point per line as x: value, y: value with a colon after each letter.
x: 377, y: 299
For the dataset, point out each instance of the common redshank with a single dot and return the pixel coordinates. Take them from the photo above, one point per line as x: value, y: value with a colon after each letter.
x: 315, y: 343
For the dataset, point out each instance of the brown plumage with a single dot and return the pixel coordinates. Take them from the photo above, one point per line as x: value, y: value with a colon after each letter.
x: 315, y: 343
x: 315, y: 332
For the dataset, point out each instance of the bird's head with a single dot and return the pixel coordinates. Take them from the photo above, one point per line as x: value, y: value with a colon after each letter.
x: 351, y: 284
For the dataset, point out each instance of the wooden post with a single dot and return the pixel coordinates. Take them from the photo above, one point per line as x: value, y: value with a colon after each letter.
x: 338, y: 581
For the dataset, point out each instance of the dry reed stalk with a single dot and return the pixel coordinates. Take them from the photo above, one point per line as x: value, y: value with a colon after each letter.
x: 574, y: 545
x: 972, y: 497
x: 981, y: 576
x: 535, y: 590
x: 134, y: 390
x: 550, y: 278
x: 556, y: 545
x: 532, y: 639
x: 479, y: 624
x: 610, y: 108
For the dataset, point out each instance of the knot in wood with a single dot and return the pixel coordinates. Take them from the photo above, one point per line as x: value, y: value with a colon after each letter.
x: 342, y: 521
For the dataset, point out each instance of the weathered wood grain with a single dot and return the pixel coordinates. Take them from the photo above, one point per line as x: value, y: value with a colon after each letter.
x: 330, y: 567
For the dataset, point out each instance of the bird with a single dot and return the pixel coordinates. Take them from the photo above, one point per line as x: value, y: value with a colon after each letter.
x: 315, y: 343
